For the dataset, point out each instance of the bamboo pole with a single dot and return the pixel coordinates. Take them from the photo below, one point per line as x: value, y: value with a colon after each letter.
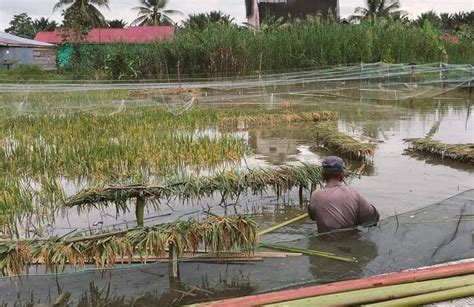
x: 429, y: 298
x: 281, y: 225
x: 389, y: 279
x: 358, y: 297
x: 309, y: 252
x: 173, y: 261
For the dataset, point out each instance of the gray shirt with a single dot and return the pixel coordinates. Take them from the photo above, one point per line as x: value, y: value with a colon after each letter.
x: 338, y: 206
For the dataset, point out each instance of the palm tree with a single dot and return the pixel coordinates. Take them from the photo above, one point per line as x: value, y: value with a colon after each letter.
x: 117, y: 23
x: 152, y: 13
x: 84, y: 12
x: 202, y: 21
x: 377, y: 8
x: 44, y: 24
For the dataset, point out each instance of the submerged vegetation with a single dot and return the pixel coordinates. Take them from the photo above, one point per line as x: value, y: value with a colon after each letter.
x: 104, y: 250
x: 458, y: 152
x: 326, y: 134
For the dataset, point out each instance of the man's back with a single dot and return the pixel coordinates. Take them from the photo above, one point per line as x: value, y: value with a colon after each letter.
x: 338, y: 206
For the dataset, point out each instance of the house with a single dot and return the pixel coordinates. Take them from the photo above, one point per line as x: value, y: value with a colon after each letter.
x: 262, y: 9
x: 15, y: 50
x: 131, y: 35
x: 104, y: 37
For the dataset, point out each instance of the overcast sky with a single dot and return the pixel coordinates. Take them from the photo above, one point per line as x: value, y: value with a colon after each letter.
x: 121, y: 9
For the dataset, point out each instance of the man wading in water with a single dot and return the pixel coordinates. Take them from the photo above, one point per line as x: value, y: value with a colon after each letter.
x: 338, y: 206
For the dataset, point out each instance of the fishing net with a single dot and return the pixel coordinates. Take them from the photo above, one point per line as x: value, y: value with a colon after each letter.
x: 378, y: 81
x: 434, y: 234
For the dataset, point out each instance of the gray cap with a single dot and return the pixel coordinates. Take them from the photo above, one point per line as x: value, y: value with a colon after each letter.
x: 333, y: 163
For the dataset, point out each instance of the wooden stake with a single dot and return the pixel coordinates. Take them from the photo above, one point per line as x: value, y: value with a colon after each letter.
x: 140, y: 210
x: 173, y: 261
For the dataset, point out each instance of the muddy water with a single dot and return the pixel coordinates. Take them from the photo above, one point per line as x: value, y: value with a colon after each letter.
x: 395, y: 182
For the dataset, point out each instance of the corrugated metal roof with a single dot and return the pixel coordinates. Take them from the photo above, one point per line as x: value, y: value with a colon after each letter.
x: 11, y: 40
x: 107, y: 36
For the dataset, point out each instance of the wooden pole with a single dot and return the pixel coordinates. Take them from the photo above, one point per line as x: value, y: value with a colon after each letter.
x: 140, y: 210
x: 173, y: 261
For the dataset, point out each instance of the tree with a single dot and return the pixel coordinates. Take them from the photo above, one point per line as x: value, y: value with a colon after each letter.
x: 377, y: 8
x: 22, y: 25
x: 431, y: 16
x: 152, y: 13
x: 83, y: 12
x: 446, y: 21
x: 116, y: 23
x: 202, y: 21
x: 44, y: 24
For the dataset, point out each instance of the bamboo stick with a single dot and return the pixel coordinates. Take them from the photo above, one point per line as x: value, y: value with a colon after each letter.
x: 429, y: 298
x: 358, y: 297
x: 308, y: 252
x: 281, y: 225
x: 395, y: 278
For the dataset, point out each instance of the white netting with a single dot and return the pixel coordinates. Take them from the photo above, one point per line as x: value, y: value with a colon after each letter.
x: 379, y: 81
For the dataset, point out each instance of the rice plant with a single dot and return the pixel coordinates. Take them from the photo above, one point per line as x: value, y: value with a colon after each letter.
x: 216, y: 234
x: 326, y: 134
x: 274, y: 119
x: 458, y: 152
x: 229, y: 184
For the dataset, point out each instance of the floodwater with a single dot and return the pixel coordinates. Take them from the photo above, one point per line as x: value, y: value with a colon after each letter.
x: 394, y: 181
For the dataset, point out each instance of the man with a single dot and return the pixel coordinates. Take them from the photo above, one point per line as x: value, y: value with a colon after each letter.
x: 338, y: 206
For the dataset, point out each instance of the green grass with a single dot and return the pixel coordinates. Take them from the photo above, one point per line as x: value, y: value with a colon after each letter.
x: 230, y: 51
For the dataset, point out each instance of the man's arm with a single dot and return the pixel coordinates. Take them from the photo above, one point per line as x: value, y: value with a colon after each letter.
x: 312, y: 208
x: 368, y: 215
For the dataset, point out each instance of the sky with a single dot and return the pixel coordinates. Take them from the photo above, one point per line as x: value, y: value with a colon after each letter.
x: 121, y: 9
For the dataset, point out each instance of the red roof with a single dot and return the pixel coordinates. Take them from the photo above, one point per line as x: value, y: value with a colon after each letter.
x: 106, y: 36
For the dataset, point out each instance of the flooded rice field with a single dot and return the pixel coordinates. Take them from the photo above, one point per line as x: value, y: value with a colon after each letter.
x: 402, y: 185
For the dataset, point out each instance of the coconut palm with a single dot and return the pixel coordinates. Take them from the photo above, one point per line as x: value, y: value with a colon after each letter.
x: 44, y: 24
x: 117, y: 23
x: 377, y: 8
x: 152, y: 13
x: 86, y: 10
x: 202, y: 21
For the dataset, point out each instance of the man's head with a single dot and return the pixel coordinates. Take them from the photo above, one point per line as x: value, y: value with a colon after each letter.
x: 333, y: 168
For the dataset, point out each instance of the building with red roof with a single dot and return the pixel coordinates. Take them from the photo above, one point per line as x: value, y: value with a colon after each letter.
x: 131, y: 35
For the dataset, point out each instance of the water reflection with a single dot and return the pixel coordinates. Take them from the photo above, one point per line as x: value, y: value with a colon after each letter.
x: 283, y: 144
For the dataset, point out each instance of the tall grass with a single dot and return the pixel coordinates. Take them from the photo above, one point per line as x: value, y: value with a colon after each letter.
x: 225, y: 50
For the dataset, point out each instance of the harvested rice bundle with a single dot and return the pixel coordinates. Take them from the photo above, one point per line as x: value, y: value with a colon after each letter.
x: 273, y: 119
x: 216, y: 234
x: 459, y: 152
x: 327, y: 135
x: 229, y: 184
